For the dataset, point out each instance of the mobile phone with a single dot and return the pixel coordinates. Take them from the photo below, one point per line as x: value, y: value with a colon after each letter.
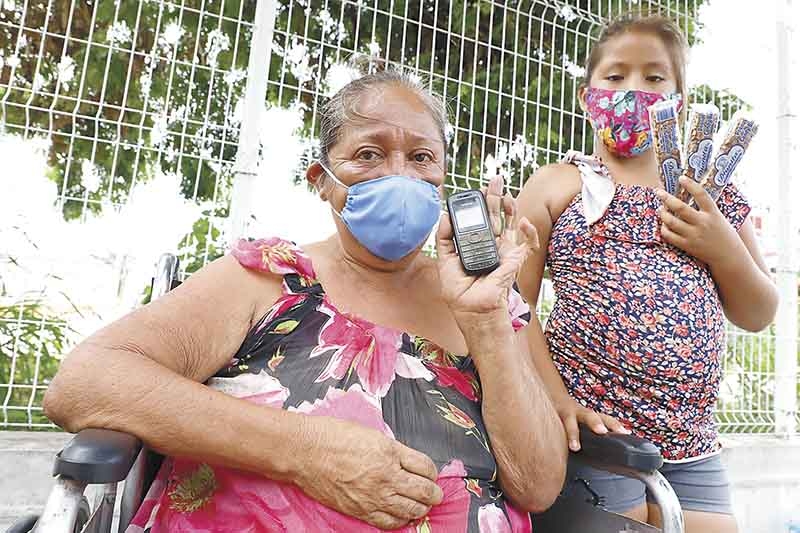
x: 472, y: 232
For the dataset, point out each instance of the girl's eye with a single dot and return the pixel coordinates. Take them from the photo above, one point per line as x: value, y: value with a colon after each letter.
x: 423, y: 157
x: 656, y: 78
x: 614, y: 77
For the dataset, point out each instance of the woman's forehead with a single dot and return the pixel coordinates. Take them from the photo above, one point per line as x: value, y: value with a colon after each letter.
x: 391, y: 111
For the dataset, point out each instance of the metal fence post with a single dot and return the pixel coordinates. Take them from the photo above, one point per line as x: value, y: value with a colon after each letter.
x: 786, y: 321
x: 247, y: 155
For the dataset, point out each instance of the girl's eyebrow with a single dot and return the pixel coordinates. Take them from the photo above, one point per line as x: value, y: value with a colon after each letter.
x: 615, y: 66
x: 657, y: 65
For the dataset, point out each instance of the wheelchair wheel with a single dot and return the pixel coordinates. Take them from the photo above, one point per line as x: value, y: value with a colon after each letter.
x: 84, y: 513
x: 27, y: 523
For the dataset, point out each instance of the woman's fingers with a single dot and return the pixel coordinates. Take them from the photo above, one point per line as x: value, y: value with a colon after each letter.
x: 385, y: 521
x: 530, y: 233
x: 406, y: 508
x: 416, y: 462
x: 494, y: 198
x: 420, y: 489
x: 510, y: 226
x: 444, y: 237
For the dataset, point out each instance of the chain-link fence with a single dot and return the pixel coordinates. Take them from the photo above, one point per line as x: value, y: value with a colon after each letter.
x: 123, y: 96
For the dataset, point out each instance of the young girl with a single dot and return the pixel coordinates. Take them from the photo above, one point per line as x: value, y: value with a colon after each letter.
x: 643, y: 282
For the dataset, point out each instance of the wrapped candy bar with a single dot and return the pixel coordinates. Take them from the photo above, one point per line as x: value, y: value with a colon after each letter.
x: 703, y: 124
x: 741, y: 131
x: 666, y: 143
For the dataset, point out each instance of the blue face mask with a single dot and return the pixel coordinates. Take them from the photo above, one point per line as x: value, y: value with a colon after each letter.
x: 390, y: 216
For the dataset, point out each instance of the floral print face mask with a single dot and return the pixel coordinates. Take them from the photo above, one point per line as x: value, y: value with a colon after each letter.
x: 620, y: 119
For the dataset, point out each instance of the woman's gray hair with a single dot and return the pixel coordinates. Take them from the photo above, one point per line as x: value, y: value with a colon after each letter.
x: 339, y: 111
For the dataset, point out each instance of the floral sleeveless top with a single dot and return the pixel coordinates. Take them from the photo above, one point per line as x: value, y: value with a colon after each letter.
x: 637, y: 329
x: 306, y: 356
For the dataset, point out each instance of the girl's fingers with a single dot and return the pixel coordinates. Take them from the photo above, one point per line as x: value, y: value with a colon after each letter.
x: 700, y: 195
x: 670, y: 237
x: 593, y: 420
x: 674, y: 223
x: 573, y: 435
x: 614, y: 425
x: 680, y: 209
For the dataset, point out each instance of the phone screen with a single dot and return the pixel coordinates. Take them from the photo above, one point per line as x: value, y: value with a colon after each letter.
x: 469, y: 215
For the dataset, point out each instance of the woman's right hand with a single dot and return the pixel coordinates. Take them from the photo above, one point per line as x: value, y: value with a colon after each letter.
x: 363, y: 473
x: 573, y: 414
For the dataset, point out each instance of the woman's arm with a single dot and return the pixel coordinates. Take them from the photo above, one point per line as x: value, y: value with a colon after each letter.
x: 142, y: 375
x: 526, y: 434
x: 748, y: 295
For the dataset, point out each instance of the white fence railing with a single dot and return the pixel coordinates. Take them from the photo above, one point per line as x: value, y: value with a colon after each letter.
x: 127, y: 116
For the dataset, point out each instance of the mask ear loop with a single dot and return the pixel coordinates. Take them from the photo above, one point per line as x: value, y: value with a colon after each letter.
x: 336, y: 181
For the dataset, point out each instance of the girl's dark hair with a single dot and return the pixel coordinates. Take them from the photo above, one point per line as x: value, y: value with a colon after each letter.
x: 654, y: 24
x: 339, y: 111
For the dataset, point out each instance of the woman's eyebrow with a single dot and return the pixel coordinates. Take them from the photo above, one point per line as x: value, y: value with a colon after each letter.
x: 378, y: 135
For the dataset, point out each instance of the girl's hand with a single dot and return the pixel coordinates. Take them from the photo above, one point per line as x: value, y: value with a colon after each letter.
x: 573, y: 414
x: 704, y: 232
x: 472, y: 296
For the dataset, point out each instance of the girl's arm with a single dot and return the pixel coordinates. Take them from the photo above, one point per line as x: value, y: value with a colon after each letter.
x: 748, y: 295
x: 542, y: 200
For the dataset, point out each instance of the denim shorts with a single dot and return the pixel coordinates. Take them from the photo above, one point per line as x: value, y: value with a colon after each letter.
x: 700, y: 485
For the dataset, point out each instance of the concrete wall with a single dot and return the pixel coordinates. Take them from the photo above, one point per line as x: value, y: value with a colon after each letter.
x: 764, y: 474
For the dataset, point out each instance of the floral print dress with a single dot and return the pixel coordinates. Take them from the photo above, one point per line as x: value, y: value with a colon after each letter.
x: 306, y: 356
x: 637, y: 329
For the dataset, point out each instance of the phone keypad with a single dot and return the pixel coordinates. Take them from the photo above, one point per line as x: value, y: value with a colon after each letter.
x: 479, y: 249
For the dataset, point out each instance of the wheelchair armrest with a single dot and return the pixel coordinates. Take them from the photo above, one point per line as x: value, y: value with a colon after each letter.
x: 97, y: 456
x: 620, y: 451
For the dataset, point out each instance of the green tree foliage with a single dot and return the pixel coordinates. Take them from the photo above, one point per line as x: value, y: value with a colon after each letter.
x: 31, y: 343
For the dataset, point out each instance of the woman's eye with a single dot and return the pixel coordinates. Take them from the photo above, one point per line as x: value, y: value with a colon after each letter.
x: 368, y: 155
x: 655, y: 78
x: 423, y: 157
x: 614, y: 77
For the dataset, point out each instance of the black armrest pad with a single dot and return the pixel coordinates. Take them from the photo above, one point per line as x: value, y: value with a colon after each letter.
x: 98, y: 456
x: 616, y: 450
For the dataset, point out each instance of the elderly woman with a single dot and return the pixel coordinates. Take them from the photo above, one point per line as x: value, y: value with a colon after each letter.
x: 342, y: 377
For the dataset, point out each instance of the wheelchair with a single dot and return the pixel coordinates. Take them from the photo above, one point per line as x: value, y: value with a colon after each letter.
x: 98, y: 457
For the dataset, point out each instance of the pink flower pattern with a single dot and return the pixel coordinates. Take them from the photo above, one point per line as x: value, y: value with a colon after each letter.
x: 306, y: 356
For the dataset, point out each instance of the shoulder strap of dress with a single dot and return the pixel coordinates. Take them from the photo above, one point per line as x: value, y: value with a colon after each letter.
x: 597, y: 187
x: 276, y: 256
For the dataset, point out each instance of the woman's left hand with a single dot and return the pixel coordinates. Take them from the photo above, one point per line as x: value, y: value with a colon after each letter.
x: 704, y: 232
x: 477, y: 297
